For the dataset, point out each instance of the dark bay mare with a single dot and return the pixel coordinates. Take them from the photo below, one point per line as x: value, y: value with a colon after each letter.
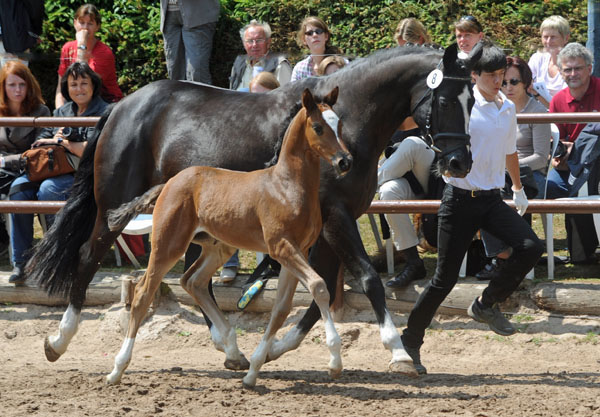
x: 168, y: 126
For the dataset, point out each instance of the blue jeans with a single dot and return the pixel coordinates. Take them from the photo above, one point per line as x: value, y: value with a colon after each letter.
x: 187, y: 50
x: 234, y: 261
x: 21, y: 236
x: 459, y: 217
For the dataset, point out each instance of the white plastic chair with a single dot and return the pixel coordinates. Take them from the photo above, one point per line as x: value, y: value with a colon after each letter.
x: 141, y: 225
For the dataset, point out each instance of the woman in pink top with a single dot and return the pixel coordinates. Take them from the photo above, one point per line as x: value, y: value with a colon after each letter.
x: 555, y: 33
x: 87, y: 48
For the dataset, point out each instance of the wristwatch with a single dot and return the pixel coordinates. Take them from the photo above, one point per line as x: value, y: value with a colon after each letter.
x: 59, y: 140
x: 82, y: 47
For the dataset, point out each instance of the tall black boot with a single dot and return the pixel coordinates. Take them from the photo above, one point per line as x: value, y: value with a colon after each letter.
x: 414, y: 269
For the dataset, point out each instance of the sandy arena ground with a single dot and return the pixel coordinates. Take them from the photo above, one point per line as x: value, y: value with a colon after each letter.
x: 551, y: 368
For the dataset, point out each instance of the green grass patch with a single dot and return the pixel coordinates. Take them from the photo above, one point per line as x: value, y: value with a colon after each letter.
x: 522, y: 318
x: 591, y: 338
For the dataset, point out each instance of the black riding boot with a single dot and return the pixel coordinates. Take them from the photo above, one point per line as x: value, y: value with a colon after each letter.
x: 414, y: 269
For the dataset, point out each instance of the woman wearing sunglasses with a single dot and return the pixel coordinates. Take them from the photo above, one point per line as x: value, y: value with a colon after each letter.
x: 533, y: 149
x: 314, y: 35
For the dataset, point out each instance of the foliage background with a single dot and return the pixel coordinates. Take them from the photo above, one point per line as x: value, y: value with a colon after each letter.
x: 131, y: 29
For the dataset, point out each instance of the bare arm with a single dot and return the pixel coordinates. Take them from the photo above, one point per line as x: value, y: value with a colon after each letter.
x: 59, y: 100
x: 512, y: 166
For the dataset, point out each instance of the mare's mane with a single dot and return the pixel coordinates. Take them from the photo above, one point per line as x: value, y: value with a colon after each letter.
x: 352, y: 74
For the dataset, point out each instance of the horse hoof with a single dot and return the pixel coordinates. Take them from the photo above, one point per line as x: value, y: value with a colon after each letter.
x: 237, y: 365
x: 248, y: 384
x: 335, y: 373
x: 112, y: 380
x: 51, y: 354
x: 404, y: 367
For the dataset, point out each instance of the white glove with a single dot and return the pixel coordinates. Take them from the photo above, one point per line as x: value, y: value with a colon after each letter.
x: 520, y: 200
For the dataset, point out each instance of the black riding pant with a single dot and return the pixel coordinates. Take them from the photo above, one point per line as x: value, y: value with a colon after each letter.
x: 460, y: 216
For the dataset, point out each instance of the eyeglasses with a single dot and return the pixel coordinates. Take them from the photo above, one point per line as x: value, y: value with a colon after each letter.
x: 318, y: 31
x: 573, y: 69
x: 512, y: 81
x: 473, y: 20
x: 255, y: 41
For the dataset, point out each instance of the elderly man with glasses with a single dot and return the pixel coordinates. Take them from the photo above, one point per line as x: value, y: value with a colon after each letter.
x: 582, y: 94
x: 256, y: 37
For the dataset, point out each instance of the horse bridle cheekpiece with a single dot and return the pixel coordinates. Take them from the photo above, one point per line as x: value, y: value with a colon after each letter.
x: 434, y: 80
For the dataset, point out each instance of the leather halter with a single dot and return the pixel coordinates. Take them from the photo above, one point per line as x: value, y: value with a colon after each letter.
x: 430, y: 93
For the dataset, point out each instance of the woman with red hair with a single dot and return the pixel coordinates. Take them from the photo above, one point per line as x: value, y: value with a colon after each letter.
x: 20, y: 95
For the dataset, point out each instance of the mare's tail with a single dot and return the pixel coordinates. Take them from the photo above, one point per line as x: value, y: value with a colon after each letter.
x: 119, y: 217
x: 55, y: 259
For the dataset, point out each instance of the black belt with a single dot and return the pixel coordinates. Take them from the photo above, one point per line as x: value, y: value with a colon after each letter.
x: 475, y: 193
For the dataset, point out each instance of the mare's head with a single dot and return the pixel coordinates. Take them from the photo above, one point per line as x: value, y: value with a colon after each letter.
x: 323, y: 130
x: 444, y: 110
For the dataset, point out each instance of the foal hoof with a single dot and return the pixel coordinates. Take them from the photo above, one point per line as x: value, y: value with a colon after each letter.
x: 249, y: 383
x: 239, y: 365
x: 51, y: 354
x: 404, y: 367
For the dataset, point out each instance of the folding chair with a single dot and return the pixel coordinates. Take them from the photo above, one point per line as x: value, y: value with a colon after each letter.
x: 141, y: 225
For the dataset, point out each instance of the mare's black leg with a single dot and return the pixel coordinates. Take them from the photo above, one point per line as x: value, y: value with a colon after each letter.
x: 90, y: 255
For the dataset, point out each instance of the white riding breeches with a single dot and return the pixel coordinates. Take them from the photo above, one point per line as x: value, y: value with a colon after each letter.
x: 411, y: 155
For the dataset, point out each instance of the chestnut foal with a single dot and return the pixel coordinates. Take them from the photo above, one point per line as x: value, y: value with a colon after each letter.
x: 274, y: 210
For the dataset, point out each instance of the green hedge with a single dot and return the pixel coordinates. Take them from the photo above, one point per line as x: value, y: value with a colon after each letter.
x: 131, y: 29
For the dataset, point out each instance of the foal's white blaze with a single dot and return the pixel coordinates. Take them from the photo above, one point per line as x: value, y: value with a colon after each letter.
x: 333, y: 121
x: 391, y: 340
x: 66, y: 330
x: 121, y: 361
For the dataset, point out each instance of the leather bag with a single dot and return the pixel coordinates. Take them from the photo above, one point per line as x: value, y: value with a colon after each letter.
x: 47, y: 161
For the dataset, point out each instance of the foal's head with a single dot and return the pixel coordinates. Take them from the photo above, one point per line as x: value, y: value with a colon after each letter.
x: 323, y: 130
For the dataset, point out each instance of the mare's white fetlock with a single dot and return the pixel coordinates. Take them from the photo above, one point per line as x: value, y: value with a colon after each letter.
x: 334, y: 343
x: 56, y: 346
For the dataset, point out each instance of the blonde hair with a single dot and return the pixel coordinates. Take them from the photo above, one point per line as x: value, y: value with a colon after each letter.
x: 411, y: 30
x: 557, y: 23
x: 265, y: 79
x: 333, y: 59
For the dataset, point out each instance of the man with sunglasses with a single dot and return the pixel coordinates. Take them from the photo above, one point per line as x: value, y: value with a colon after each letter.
x: 582, y: 94
x: 475, y: 202
x: 256, y: 37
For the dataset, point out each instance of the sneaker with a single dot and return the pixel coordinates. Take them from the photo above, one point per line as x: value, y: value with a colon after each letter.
x: 228, y: 273
x: 415, y: 355
x: 410, y: 273
x: 18, y: 276
x: 493, y: 317
x: 490, y: 270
